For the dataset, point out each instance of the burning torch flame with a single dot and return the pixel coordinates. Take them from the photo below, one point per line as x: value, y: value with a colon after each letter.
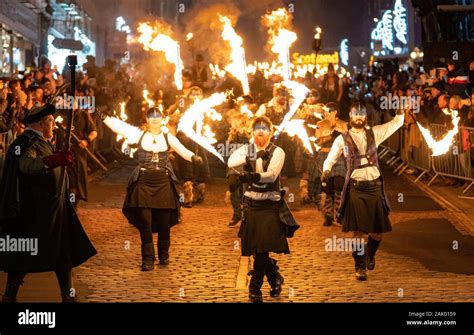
x: 152, y: 39
x: 296, y: 128
x: 59, y: 119
x: 238, y: 65
x: 123, y: 116
x: 148, y: 100
x: 195, y: 116
x: 299, y: 92
x: 281, y: 39
x: 244, y: 109
x: 442, y: 146
x: 189, y: 36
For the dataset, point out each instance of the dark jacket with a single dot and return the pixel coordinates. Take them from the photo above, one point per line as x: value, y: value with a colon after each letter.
x: 32, y: 205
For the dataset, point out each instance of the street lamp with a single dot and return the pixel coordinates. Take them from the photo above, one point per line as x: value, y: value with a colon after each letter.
x: 316, y: 45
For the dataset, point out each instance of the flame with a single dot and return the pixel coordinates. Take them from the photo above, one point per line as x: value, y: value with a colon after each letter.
x: 441, y: 146
x: 238, y: 66
x: 216, y: 71
x: 123, y: 116
x: 296, y: 128
x: 299, y: 92
x: 244, y: 109
x: 148, y: 100
x: 153, y: 39
x: 59, y: 119
x: 189, y: 36
x: 195, y: 117
x: 281, y: 39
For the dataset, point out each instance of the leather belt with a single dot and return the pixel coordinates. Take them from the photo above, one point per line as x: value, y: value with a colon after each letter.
x: 365, y: 182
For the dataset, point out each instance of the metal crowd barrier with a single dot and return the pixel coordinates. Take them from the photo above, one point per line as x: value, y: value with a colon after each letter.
x: 456, y: 163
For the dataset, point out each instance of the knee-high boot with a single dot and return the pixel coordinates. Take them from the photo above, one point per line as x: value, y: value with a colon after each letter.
x: 275, y: 279
x: 372, y: 247
x: 360, y: 262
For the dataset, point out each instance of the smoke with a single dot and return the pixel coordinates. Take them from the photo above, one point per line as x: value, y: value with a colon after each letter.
x: 203, y: 21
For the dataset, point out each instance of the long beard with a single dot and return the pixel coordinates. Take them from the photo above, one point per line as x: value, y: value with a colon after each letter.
x: 358, y: 125
x: 261, y: 141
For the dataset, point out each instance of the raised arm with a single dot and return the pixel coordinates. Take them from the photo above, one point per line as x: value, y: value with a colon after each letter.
x: 179, y: 148
x: 131, y: 133
x: 384, y: 131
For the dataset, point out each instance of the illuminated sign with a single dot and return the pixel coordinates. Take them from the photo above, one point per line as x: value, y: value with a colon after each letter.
x: 322, y: 59
x: 344, y: 52
x: 400, y: 21
x: 394, y: 23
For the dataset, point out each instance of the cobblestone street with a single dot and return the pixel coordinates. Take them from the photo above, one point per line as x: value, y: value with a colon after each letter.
x: 416, y: 261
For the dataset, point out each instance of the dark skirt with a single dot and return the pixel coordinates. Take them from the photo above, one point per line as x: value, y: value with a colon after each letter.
x: 153, y: 189
x: 365, y: 210
x: 261, y: 229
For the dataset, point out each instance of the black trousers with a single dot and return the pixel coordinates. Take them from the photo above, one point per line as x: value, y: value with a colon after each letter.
x: 148, y: 217
x: 63, y: 272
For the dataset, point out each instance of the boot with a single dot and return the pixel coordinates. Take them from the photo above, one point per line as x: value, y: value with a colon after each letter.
x: 256, y: 282
x: 14, y: 281
x: 372, y: 247
x: 163, y: 251
x: 200, y: 191
x: 188, y: 194
x: 148, y: 257
x: 275, y: 279
x: 360, y: 264
x: 328, y: 209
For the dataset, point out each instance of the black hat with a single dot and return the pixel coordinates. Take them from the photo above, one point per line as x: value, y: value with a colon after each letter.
x: 439, y: 86
x: 37, y: 113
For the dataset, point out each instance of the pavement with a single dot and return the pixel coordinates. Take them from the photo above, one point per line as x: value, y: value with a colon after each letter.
x: 428, y: 257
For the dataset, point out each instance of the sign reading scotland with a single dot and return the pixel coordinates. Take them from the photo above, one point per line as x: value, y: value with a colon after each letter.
x: 390, y: 35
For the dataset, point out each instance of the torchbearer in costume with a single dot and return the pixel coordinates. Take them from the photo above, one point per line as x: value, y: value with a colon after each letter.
x: 193, y: 176
x: 267, y: 221
x: 327, y: 131
x: 364, y: 208
x: 152, y: 201
x: 238, y: 136
x: 35, y: 204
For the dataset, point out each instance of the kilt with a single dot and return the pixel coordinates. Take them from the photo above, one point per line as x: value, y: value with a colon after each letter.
x: 365, y: 209
x: 338, y: 169
x: 302, y: 160
x: 152, y: 189
x: 261, y: 229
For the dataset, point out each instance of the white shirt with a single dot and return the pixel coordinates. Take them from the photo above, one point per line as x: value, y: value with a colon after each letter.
x: 381, y: 133
x: 133, y: 135
x: 238, y: 158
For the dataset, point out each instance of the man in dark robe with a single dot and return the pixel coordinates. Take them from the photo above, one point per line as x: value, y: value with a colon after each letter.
x: 35, y: 207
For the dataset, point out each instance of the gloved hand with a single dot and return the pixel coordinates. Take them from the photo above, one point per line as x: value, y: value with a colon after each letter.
x: 263, y: 154
x: 61, y: 158
x: 197, y: 160
x: 249, y: 177
x: 325, y: 176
